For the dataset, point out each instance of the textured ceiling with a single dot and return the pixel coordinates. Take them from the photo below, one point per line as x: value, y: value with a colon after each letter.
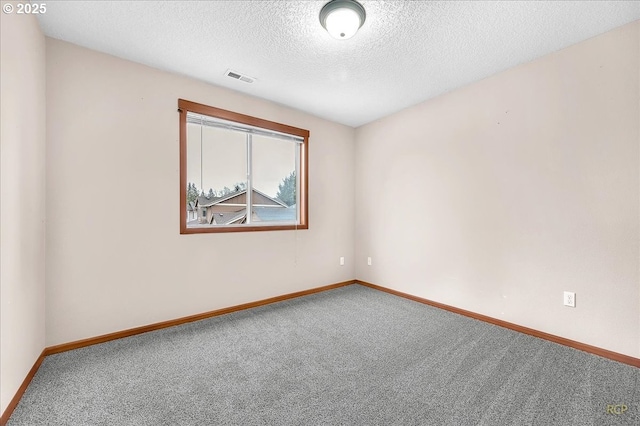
x: 405, y: 53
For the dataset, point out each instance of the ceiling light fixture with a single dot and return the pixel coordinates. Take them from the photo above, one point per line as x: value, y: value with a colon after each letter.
x: 342, y: 18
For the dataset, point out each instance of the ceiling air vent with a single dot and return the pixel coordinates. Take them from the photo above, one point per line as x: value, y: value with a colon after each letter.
x: 239, y: 76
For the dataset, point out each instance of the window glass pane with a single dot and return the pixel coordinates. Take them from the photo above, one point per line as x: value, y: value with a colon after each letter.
x: 274, y: 180
x: 216, y: 176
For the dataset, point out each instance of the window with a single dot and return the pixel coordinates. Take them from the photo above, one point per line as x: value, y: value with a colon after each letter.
x: 240, y: 172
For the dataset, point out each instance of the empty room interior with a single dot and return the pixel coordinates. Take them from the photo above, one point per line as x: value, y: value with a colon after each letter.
x: 320, y: 212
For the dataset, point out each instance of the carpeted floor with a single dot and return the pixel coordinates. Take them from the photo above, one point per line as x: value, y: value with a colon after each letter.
x: 349, y: 356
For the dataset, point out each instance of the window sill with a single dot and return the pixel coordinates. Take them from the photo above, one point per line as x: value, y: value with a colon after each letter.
x: 241, y: 228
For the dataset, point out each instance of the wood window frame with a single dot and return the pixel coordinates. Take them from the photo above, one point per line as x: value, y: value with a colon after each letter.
x: 184, y: 107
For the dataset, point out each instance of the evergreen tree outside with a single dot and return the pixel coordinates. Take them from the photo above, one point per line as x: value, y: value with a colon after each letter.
x: 192, y: 192
x: 287, y: 190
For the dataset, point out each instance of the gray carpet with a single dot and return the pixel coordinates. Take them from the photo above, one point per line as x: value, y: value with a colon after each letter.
x: 350, y: 356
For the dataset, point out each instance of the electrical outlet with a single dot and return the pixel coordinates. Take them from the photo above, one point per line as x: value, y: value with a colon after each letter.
x: 369, y: 261
x: 341, y: 260
x: 570, y: 299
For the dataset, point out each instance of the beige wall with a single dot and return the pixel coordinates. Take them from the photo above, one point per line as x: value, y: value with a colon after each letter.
x: 112, y: 134
x: 22, y: 204
x: 524, y: 185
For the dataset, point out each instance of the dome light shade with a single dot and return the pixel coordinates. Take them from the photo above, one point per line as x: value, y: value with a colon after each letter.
x: 342, y: 18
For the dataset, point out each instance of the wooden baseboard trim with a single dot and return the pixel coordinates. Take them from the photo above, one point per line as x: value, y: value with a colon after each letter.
x: 615, y: 356
x: 23, y: 387
x: 171, y: 323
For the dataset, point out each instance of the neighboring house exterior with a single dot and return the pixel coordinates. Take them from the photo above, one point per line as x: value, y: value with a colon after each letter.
x: 231, y: 209
x: 192, y: 213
